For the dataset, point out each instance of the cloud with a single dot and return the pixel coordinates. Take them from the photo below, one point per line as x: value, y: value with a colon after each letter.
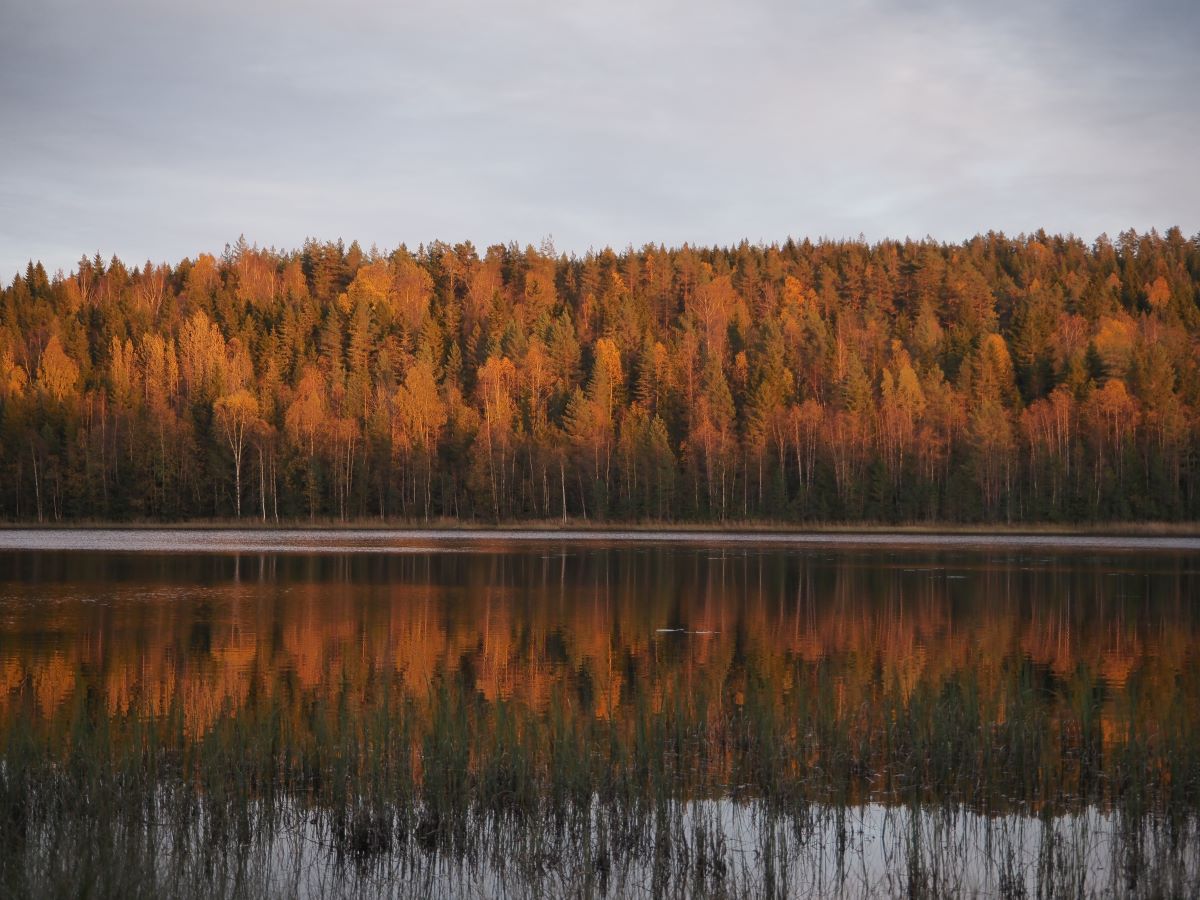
x: 163, y: 129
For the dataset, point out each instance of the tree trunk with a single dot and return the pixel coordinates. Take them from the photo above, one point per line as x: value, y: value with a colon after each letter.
x: 262, y: 486
x: 237, y: 484
x: 37, y: 485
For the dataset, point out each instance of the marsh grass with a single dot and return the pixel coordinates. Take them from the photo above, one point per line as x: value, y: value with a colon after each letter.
x: 950, y: 787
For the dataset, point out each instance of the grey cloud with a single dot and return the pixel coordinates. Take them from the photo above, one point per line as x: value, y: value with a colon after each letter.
x: 161, y: 130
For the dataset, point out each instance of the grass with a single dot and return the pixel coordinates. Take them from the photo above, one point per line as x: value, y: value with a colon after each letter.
x: 739, y: 789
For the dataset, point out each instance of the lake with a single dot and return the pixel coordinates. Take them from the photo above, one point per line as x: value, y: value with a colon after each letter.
x: 229, y: 713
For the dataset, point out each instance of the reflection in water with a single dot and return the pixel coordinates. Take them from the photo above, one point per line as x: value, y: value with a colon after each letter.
x: 524, y: 624
x: 1014, y: 684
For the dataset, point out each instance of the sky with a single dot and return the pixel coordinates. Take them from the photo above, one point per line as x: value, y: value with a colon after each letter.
x: 159, y: 129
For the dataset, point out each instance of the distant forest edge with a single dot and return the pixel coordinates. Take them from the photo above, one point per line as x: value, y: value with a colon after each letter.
x: 1030, y: 379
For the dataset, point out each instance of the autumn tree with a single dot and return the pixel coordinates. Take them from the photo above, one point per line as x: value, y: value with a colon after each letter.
x: 58, y: 374
x: 237, y: 416
x: 418, y: 419
x: 307, y: 421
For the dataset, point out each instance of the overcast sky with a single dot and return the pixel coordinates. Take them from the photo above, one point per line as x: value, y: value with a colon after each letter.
x: 161, y: 129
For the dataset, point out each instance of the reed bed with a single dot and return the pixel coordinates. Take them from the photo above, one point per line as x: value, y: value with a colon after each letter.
x: 973, y: 785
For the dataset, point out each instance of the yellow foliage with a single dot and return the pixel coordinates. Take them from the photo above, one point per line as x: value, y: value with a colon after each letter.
x: 1158, y: 294
x: 420, y: 412
x: 12, y: 376
x: 57, y: 373
x: 308, y: 413
x: 122, y: 369
x: 202, y: 356
x: 1114, y: 343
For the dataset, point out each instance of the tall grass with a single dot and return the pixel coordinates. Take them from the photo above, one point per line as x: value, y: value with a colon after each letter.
x: 731, y: 789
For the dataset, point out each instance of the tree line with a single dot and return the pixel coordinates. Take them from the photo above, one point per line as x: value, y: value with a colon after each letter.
x: 1036, y: 378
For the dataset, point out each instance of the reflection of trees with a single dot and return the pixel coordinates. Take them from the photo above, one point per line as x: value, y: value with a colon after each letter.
x: 584, y: 632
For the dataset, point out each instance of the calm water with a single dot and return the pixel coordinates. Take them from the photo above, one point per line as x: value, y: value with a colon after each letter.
x: 611, y: 715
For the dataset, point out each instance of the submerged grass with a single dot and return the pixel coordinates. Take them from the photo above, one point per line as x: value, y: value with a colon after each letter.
x: 1000, y: 784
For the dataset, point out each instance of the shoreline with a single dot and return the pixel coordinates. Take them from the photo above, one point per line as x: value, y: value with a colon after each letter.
x: 315, y: 540
x: 450, y: 528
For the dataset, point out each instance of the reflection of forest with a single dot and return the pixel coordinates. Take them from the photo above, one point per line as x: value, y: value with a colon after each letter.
x: 599, y: 628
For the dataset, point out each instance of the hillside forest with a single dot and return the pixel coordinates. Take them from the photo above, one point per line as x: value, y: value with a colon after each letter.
x: 1030, y: 379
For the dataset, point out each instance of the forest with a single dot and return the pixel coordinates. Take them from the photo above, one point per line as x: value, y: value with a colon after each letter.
x: 1030, y: 379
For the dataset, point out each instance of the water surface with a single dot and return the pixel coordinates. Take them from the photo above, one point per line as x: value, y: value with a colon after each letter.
x: 604, y: 714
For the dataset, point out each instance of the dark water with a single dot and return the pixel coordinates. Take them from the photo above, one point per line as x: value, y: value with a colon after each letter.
x: 387, y: 713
